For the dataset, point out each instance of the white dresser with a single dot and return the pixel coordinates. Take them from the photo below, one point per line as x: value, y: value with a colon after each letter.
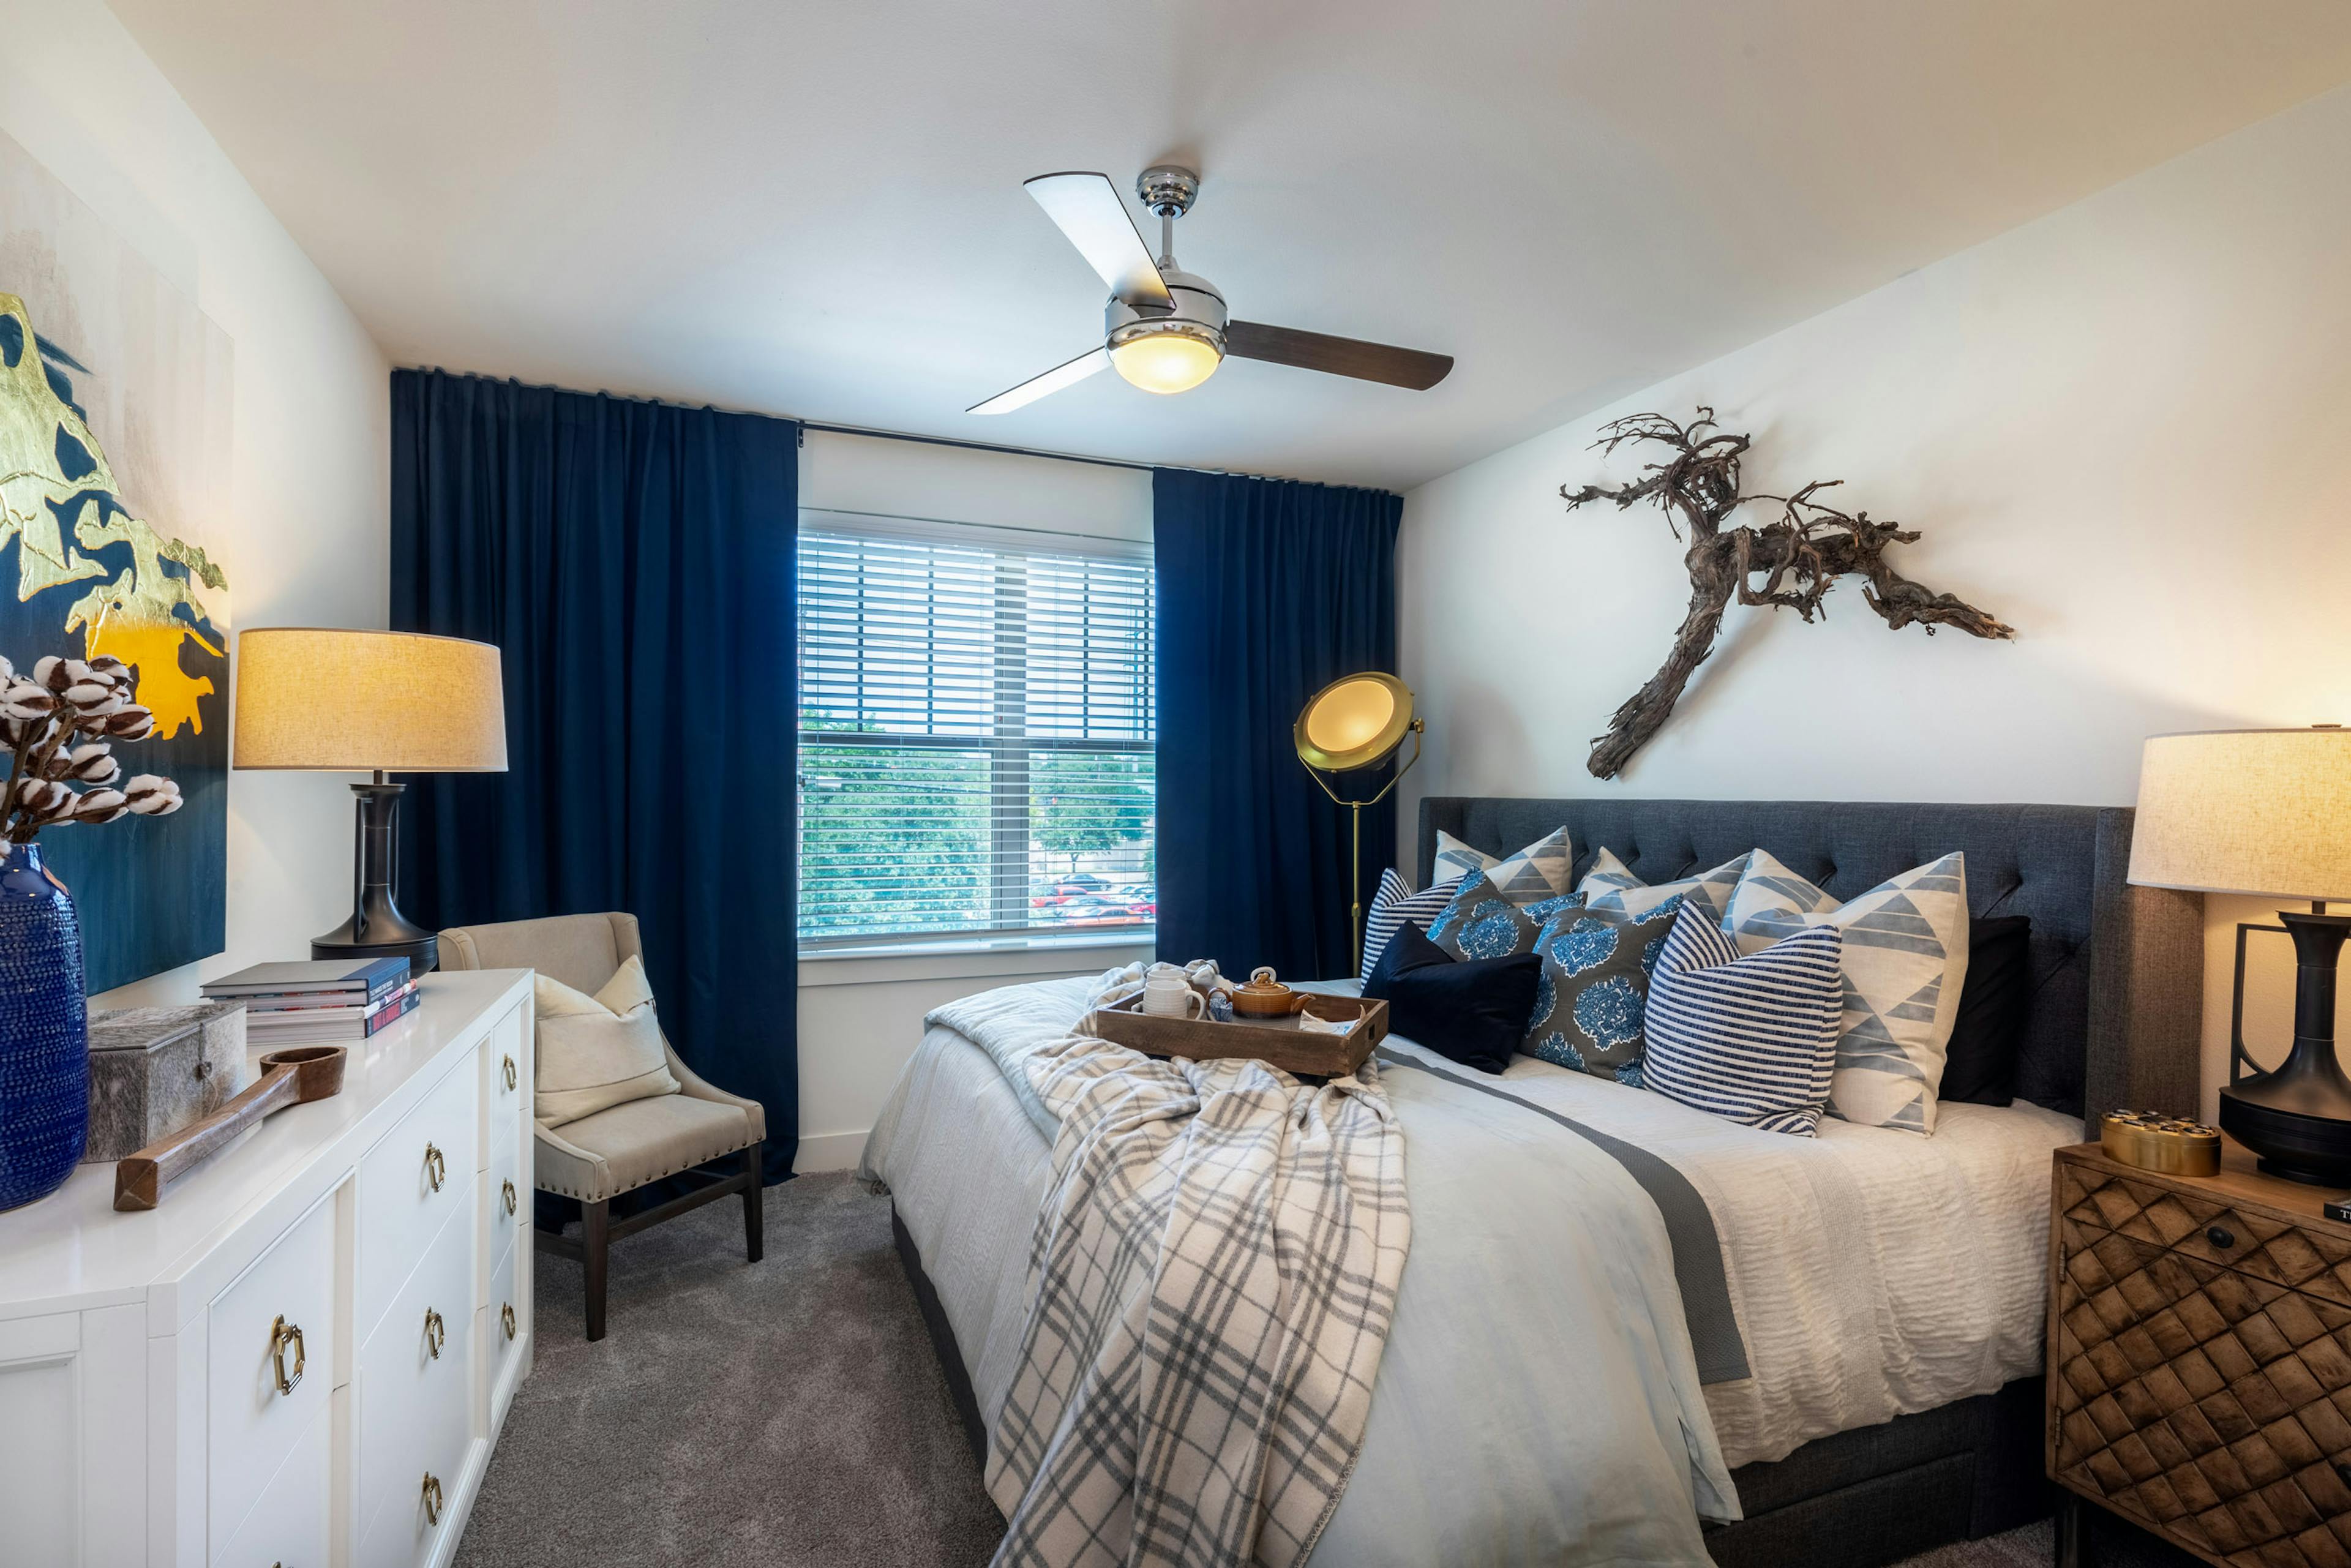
x: 302, y: 1357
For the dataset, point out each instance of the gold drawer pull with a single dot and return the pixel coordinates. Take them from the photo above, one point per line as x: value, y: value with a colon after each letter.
x: 509, y: 1197
x: 432, y: 1497
x: 436, y: 1169
x: 506, y: 1316
x: 435, y: 1335
x: 281, y: 1335
x: 510, y: 1073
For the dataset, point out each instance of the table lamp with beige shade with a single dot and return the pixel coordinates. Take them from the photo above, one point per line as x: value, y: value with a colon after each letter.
x: 328, y: 701
x: 2266, y: 811
x: 1357, y: 721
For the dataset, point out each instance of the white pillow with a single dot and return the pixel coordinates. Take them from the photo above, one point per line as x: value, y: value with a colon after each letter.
x: 1905, y: 959
x: 1610, y: 885
x: 596, y: 1053
x: 1751, y: 1039
x: 1542, y: 870
x: 1395, y: 905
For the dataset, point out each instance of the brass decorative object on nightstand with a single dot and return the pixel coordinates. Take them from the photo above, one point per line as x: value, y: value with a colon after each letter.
x: 2200, y: 1359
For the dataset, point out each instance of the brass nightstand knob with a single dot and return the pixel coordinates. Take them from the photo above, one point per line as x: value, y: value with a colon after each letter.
x: 510, y: 1194
x: 510, y: 1073
x: 432, y: 1497
x: 436, y: 1168
x: 435, y: 1333
x: 506, y: 1316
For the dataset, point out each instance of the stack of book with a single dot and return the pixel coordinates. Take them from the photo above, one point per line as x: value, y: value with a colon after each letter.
x: 320, y: 1003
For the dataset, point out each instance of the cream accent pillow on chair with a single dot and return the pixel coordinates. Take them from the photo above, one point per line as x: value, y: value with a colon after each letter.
x: 596, y: 1053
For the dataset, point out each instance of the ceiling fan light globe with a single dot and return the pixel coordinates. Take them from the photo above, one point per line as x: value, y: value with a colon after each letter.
x: 1166, y: 363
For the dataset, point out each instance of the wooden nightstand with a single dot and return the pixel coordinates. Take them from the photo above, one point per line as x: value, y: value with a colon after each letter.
x: 2200, y: 1359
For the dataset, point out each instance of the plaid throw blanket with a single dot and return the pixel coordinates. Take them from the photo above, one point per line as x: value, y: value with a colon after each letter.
x: 1211, y: 1281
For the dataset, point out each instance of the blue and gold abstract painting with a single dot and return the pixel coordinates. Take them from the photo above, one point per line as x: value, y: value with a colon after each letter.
x: 113, y: 469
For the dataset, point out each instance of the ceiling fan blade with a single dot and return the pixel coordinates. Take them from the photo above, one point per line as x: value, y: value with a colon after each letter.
x: 1087, y: 209
x: 1052, y: 381
x: 1337, y: 356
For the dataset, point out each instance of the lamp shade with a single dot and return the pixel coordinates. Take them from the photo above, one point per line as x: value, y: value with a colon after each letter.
x: 2246, y: 810
x: 357, y: 702
x: 1354, y: 722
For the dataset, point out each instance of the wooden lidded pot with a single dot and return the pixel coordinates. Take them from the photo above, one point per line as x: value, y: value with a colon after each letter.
x: 1265, y: 996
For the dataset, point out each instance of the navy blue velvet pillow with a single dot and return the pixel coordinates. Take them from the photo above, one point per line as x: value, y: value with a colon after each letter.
x: 1473, y: 1011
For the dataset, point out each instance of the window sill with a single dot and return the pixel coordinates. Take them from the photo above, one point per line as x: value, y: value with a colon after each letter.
x: 1006, y: 958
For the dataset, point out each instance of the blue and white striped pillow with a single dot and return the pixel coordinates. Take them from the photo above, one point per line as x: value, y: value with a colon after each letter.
x: 1751, y: 1039
x: 1395, y: 903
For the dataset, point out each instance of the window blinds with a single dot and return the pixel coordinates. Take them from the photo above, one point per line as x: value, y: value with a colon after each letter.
x: 976, y: 735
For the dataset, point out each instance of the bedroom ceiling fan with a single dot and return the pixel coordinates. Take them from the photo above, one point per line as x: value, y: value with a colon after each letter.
x: 1166, y: 329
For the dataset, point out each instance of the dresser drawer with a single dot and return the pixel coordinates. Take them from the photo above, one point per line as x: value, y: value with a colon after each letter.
x: 504, y: 1320
x: 416, y: 1389
x: 509, y: 1080
x: 287, y: 1528
x: 2204, y: 1225
x: 2200, y: 1400
x: 409, y: 1183
x: 269, y: 1359
x: 505, y: 1202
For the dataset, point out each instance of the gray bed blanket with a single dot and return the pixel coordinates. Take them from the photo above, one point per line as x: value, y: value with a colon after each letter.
x: 1211, y: 1279
x: 1537, y: 1399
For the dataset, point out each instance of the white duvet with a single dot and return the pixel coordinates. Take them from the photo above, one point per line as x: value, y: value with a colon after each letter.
x: 1873, y: 1271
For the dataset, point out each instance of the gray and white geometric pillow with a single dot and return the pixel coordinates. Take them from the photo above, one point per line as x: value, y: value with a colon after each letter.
x: 1611, y: 885
x: 1905, y: 959
x: 1481, y: 923
x: 1592, y: 1003
x: 1396, y: 904
x: 1544, y: 870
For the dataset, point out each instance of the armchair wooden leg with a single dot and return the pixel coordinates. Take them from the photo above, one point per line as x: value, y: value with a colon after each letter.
x: 754, y: 1238
x: 595, y: 1247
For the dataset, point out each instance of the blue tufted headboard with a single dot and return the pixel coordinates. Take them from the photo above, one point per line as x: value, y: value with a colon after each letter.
x: 2119, y: 970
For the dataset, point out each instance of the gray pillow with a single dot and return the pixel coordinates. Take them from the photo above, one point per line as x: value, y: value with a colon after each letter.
x: 1481, y: 921
x: 1592, y: 1003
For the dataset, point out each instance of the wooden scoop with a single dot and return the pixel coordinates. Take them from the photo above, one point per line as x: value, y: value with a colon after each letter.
x: 295, y: 1076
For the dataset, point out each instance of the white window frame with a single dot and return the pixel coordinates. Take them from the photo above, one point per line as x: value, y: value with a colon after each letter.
x: 1007, y: 751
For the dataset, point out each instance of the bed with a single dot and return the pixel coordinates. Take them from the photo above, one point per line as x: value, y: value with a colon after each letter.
x: 1872, y: 1384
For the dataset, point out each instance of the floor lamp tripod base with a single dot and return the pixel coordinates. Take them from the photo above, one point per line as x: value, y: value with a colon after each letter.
x: 377, y: 929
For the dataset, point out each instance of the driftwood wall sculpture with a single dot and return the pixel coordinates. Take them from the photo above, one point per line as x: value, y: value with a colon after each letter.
x: 1788, y: 564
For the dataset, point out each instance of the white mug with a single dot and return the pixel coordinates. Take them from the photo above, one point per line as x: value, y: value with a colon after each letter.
x: 1172, y: 996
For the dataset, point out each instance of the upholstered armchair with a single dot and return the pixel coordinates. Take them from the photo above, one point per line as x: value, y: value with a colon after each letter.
x: 597, y: 1158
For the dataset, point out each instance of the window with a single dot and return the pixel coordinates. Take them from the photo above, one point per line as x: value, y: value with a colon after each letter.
x: 975, y: 732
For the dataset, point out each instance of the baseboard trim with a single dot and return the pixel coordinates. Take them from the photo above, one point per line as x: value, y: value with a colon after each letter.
x: 827, y: 1152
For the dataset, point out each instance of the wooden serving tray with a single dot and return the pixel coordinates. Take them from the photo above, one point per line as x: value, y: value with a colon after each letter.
x: 1278, y: 1042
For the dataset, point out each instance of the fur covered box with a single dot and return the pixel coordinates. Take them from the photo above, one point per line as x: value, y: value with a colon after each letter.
x: 152, y: 1071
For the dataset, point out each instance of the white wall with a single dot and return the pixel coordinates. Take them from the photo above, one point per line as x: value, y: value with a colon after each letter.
x: 2123, y: 429
x: 860, y: 1016
x: 310, y: 467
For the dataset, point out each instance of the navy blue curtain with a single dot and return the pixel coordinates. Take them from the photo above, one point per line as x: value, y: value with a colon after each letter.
x: 633, y: 562
x: 1269, y: 590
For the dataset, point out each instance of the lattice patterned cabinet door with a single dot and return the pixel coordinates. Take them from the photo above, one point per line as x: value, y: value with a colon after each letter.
x: 2212, y: 1406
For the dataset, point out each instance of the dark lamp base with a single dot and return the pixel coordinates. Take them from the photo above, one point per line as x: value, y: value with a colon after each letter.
x: 2297, y: 1119
x: 377, y: 929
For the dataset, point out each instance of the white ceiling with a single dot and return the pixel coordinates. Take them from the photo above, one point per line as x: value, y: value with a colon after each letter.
x: 815, y: 209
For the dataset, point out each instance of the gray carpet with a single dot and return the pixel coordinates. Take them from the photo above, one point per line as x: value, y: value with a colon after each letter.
x: 783, y: 1412
x: 780, y: 1413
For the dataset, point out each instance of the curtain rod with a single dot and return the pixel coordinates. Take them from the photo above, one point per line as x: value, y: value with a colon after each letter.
x: 807, y: 424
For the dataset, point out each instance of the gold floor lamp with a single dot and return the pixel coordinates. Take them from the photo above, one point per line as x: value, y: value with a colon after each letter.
x: 1357, y: 722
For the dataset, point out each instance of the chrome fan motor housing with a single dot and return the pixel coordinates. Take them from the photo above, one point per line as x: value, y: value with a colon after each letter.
x: 1199, y: 311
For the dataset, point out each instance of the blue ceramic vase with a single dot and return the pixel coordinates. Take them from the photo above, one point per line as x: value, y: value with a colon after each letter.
x: 44, y: 1032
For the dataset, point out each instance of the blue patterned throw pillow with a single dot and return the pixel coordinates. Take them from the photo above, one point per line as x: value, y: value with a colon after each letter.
x: 1483, y: 922
x: 1591, y: 1001
x: 1749, y: 1039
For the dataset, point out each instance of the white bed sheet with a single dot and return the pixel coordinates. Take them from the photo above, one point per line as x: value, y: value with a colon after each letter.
x: 1874, y: 1272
